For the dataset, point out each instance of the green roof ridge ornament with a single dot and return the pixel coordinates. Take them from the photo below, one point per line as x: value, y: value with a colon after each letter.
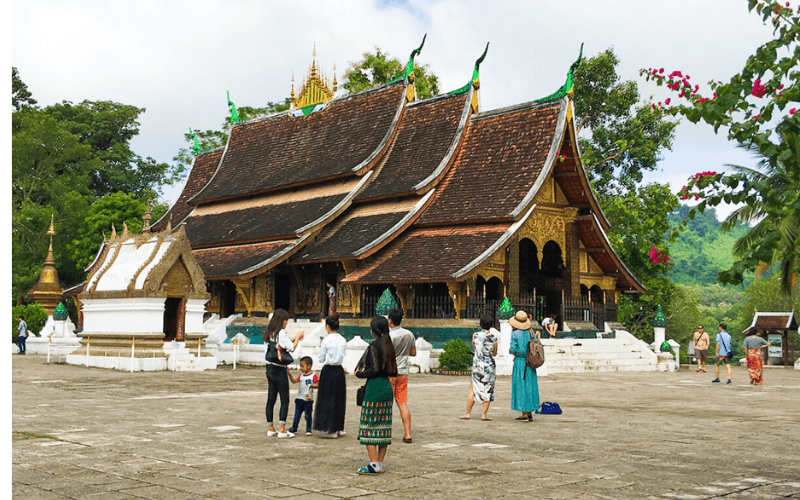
x: 386, y: 303
x: 659, y: 320
x: 234, y: 119
x: 505, y: 311
x: 475, y: 74
x: 60, y: 314
x: 567, y: 87
x: 196, y: 147
x: 410, y: 66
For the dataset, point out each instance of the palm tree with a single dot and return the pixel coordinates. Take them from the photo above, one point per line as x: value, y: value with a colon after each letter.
x: 774, y: 210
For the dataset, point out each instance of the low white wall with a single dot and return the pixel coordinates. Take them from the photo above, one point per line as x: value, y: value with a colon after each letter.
x: 124, y: 315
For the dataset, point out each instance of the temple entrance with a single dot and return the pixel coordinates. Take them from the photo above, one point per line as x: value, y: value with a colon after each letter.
x: 172, y: 318
x: 283, y: 292
x: 227, y: 298
x: 529, y: 279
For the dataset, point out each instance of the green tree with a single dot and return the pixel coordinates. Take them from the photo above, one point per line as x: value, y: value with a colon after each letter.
x: 756, y: 109
x: 21, y: 97
x: 107, y: 128
x: 621, y: 137
x: 64, y: 158
x: 379, y: 68
x: 116, y: 209
x: 34, y: 314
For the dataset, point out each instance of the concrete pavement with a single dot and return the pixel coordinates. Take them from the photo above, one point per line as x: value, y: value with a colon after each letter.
x: 89, y: 433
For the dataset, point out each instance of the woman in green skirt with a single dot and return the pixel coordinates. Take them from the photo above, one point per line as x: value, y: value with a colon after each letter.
x: 377, y: 365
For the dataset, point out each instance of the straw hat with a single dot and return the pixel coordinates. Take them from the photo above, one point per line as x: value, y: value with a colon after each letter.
x: 520, y: 321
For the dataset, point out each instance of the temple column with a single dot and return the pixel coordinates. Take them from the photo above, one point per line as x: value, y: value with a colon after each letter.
x: 571, y: 278
x: 512, y: 269
x: 405, y: 293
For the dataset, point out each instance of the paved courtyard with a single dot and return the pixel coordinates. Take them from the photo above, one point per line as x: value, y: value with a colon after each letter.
x: 90, y: 433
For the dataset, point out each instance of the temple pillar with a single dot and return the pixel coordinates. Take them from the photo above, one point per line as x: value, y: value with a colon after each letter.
x: 245, y: 295
x: 571, y: 277
x: 512, y: 269
x: 405, y: 293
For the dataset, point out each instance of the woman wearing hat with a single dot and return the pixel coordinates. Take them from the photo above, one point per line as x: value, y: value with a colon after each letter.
x: 524, y: 385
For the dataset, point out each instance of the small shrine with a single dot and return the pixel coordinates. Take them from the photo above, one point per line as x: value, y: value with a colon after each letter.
x: 144, y: 297
x: 774, y: 327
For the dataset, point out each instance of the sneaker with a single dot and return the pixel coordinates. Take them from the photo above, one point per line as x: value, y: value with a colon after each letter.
x: 329, y: 435
x: 293, y: 429
x: 715, y: 381
x: 286, y: 434
x: 272, y: 433
x: 729, y: 381
x: 309, y: 433
x: 342, y: 433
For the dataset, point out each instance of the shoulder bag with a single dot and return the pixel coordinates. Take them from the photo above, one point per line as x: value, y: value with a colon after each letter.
x: 277, y: 356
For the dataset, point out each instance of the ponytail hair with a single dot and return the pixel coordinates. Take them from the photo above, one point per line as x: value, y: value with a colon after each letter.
x: 333, y: 322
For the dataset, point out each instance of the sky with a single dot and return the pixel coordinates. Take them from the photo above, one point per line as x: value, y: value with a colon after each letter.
x: 177, y: 58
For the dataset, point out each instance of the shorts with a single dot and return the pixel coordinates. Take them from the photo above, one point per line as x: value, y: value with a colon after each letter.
x: 724, y: 360
x: 400, y: 388
x: 701, y: 354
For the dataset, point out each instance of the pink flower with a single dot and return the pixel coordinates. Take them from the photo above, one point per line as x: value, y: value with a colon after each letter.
x: 667, y: 101
x: 661, y: 70
x: 793, y: 111
x: 654, y: 106
x: 758, y: 89
x: 757, y: 116
x: 675, y: 73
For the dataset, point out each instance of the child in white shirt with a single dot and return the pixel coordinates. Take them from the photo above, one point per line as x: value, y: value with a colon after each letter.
x: 304, y: 402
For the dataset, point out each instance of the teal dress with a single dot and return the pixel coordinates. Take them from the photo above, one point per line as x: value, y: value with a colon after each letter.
x: 524, y: 391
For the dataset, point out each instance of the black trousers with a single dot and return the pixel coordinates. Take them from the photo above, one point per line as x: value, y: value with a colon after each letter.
x: 277, y: 384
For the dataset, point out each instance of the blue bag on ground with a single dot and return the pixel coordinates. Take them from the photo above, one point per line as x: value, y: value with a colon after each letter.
x: 549, y: 408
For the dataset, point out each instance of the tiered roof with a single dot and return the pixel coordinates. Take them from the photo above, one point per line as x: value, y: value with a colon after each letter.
x: 406, y: 191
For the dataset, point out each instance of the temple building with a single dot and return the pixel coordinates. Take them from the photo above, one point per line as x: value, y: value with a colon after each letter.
x: 450, y: 207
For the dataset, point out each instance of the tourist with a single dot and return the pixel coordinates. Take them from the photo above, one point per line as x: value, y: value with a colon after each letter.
x: 484, y: 374
x: 550, y: 325
x: 701, y: 342
x: 755, y: 363
x: 331, y: 298
x: 403, y: 342
x: 22, y: 334
x: 304, y: 401
x: 377, y: 365
x: 277, y: 374
x: 332, y: 393
x: 524, y: 385
x: 723, y: 352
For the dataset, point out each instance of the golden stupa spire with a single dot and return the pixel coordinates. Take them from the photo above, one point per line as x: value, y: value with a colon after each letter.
x: 47, y: 291
x: 315, y: 88
x: 146, y: 218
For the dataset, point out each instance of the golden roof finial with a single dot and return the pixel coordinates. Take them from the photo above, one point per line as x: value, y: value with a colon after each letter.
x: 316, y: 87
x: 335, y: 83
x: 146, y: 218
x: 113, y: 231
x: 52, y: 230
x: 292, y: 94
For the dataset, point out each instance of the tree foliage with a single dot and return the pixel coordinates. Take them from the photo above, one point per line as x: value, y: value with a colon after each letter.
x: 757, y: 108
x: 65, y: 158
x: 35, y: 316
x: 379, y: 68
x: 621, y: 136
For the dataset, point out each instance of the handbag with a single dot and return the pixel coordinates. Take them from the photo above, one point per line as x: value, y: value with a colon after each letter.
x: 277, y: 356
x: 360, y: 394
x: 548, y: 408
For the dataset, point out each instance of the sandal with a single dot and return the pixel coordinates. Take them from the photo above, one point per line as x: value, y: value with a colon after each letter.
x: 523, y: 418
x: 464, y: 417
x: 486, y: 419
x: 368, y: 470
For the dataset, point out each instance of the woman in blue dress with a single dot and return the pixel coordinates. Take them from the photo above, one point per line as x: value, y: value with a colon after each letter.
x: 524, y: 385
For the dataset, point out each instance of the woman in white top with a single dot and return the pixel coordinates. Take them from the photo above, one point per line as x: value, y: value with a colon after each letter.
x: 331, y: 396
x: 277, y: 376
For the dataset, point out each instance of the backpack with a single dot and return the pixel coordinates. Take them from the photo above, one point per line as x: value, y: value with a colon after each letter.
x: 534, y: 354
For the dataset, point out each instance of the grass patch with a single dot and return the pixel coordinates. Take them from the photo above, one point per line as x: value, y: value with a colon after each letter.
x: 31, y: 435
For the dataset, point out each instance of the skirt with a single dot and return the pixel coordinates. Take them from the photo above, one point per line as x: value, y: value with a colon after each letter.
x: 375, y: 428
x: 329, y: 408
x: 755, y: 366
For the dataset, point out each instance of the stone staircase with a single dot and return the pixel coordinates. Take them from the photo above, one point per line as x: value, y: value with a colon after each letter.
x: 625, y: 353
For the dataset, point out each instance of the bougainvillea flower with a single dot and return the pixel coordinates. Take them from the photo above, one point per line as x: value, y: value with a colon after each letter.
x: 667, y: 101
x: 758, y: 89
x: 793, y: 111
